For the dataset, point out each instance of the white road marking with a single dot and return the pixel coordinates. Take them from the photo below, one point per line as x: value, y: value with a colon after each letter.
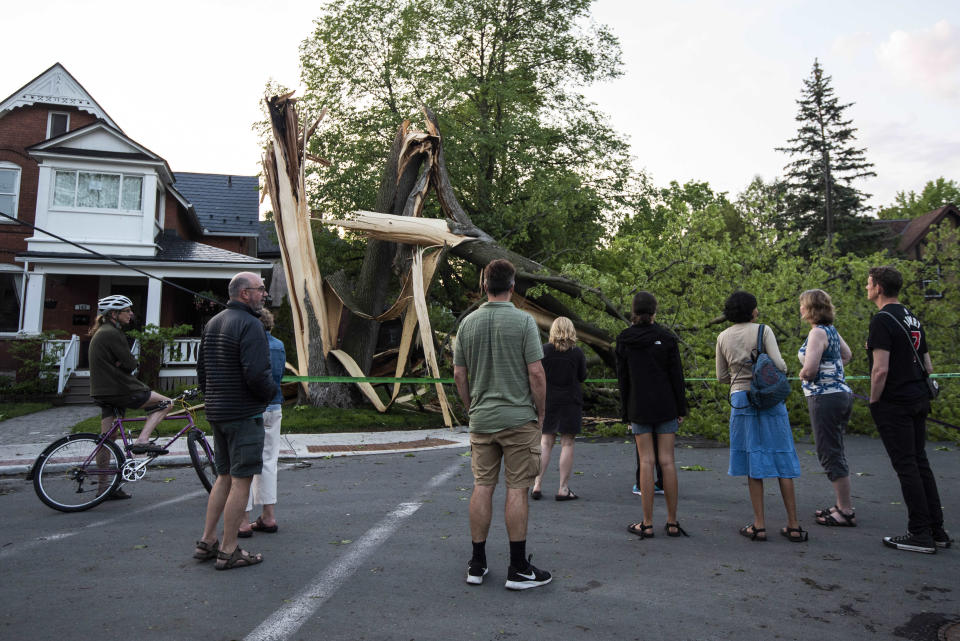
x: 285, y: 622
x: 59, y: 536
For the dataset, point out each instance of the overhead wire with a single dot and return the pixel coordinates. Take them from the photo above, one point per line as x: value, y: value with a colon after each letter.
x: 112, y: 259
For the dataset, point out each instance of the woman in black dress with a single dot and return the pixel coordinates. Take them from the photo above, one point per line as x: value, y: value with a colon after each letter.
x: 566, y: 367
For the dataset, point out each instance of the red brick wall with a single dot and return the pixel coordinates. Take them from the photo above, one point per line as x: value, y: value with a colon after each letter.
x: 176, y: 218
x: 19, y: 129
x: 68, y: 291
x: 230, y: 243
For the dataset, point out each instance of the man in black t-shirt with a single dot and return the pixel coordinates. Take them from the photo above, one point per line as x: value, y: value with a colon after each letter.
x: 899, y: 404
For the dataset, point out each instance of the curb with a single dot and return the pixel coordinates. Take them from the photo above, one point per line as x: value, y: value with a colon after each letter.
x: 18, y: 459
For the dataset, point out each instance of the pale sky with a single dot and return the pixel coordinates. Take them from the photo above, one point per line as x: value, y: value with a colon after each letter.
x: 709, y: 87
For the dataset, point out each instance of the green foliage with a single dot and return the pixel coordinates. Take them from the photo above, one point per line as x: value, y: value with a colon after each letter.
x: 37, y: 369
x: 606, y: 429
x: 824, y: 166
x: 692, y: 251
x: 153, y: 340
x: 935, y: 194
x: 12, y: 410
x: 530, y: 159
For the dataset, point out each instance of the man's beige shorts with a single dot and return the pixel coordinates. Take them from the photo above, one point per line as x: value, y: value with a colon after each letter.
x: 519, y: 447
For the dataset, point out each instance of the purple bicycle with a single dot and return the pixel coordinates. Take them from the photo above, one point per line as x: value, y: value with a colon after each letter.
x: 79, y: 471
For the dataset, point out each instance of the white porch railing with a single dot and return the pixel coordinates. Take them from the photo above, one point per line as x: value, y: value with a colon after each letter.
x: 177, y: 353
x: 66, y: 352
x: 180, y: 352
x: 68, y: 362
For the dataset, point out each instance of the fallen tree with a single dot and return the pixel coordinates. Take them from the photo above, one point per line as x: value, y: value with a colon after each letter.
x: 337, y: 318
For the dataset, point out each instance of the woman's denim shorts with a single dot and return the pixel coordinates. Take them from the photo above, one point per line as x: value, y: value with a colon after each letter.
x: 667, y: 427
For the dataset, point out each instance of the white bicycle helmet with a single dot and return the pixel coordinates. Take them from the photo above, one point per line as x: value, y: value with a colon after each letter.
x: 115, y: 302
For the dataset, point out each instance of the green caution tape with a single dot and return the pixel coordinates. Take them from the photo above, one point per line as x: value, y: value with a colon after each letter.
x: 377, y: 380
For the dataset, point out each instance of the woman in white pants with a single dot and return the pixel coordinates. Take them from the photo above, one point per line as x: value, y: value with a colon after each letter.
x: 263, y: 490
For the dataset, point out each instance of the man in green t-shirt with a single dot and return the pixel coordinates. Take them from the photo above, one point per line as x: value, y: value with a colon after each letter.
x: 500, y: 379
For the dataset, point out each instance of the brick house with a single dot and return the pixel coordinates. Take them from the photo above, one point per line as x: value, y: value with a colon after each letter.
x: 67, y: 168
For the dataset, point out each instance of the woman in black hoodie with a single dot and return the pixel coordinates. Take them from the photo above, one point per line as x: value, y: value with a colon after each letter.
x: 654, y: 403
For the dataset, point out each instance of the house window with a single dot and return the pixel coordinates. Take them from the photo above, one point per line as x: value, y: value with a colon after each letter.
x: 93, y: 190
x: 57, y: 123
x: 931, y: 285
x: 10, y: 301
x: 9, y: 189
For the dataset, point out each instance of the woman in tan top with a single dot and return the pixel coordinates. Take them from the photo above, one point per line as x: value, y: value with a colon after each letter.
x: 761, y: 441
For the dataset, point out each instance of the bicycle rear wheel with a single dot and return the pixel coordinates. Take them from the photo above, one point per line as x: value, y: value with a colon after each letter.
x: 74, y: 473
x: 201, y: 455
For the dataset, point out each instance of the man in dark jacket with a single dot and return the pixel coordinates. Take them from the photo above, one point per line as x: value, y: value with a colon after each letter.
x: 233, y: 370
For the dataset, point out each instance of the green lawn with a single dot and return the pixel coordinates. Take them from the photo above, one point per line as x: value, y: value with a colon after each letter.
x: 10, y: 410
x: 303, y: 419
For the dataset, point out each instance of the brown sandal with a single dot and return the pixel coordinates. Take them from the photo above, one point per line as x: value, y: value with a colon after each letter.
x: 837, y: 518
x: 754, y: 533
x: 641, y: 530
x: 237, y: 559
x: 260, y: 526
x: 207, y: 551
x: 794, y: 534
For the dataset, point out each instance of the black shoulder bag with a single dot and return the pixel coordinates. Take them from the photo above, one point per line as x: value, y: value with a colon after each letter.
x: 933, y: 389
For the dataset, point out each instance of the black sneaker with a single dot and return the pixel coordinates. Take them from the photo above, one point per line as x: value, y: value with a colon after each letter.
x: 941, y: 538
x: 147, y: 448
x: 912, y: 543
x: 529, y: 577
x: 475, y: 572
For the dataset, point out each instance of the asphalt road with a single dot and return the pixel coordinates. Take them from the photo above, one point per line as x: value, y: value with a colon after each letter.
x: 375, y: 547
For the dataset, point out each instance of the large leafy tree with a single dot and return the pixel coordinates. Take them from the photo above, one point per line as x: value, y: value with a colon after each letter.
x: 824, y: 204
x: 935, y: 194
x: 530, y: 159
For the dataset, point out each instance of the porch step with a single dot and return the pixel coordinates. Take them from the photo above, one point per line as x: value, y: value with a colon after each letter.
x: 78, y: 391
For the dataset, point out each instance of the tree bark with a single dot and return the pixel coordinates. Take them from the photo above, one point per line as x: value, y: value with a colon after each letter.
x: 326, y: 394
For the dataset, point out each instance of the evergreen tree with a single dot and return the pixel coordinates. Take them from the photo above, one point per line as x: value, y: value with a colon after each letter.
x: 823, y: 204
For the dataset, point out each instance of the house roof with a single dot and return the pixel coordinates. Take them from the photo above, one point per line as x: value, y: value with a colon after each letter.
x: 916, y: 229
x: 267, y: 243
x: 171, y: 249
x: 226, y: 205
x: 57, y: 87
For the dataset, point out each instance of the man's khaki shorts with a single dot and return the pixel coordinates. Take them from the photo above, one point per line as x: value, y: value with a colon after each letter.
x: 519, y: 447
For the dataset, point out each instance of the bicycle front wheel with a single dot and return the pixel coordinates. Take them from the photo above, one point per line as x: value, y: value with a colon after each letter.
x: 201, y: 455
x: 75, y: 473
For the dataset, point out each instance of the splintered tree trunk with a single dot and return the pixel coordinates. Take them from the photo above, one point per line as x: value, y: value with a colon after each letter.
x: 376, y: 272
x: 326, y: 394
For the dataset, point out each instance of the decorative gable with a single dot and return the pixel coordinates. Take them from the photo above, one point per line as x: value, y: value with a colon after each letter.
x: 55, y: 86
x: 97, y: 137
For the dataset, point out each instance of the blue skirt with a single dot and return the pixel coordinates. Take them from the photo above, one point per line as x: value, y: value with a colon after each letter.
x: 761, y: 442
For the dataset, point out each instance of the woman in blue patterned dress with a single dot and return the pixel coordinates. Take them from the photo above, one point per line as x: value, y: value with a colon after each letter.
x: 829, y: 400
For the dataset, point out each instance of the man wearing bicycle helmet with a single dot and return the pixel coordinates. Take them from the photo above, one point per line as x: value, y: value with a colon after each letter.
x: 112, y: 383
